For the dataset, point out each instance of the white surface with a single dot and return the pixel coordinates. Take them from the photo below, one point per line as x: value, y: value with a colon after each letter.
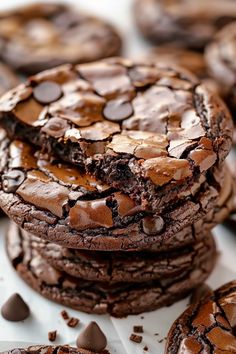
x: 45, y: 314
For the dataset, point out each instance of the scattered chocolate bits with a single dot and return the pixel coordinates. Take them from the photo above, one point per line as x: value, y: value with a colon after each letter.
x: 117, y: 110
x: 47, y: 92
x: 56, y: 127
x: 64, y: 315
x: 199, y: 293
x: 136, y: 338
x: 138, y: 329
x: 52, y: 336
x: 92, y: 338
x: 73, y: 322
x: 15, y: 309
x: 12, y: 180
x: 152, y: 226
x: 145, y: 348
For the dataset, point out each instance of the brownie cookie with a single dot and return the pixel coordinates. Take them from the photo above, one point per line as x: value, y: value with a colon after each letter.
x: 148, y: 130
x: 207, y: 326
x: 41, y: 36
x: 112, y: 267
x: 62, y: 204
x: 117, y: 299
x: 221, y: 56
x: 187, y: 23
x: 48, y: 349
x: 188, y: 59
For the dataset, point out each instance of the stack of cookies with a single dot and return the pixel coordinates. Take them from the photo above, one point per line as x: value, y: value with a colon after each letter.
x: 113, y: 173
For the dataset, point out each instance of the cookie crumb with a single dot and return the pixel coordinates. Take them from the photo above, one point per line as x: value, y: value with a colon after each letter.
x: 64, y: 315
x: 52, y: 336
x: 156, y: 334
x: 161, y: 340
x: 138, y: 329
x: 142, y: 317
x: 135, y: 338
x: 145, y: 348
x: 73, y: 322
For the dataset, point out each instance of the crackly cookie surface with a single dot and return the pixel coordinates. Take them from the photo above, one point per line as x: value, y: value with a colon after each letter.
x: 40, y: 36
x: 207, y: 326
x: 187, y: 23
x: 113, y: 267
x: 148, y: 130
x: 63, y: 204
x: 48, y: 349
x: 119, y: 299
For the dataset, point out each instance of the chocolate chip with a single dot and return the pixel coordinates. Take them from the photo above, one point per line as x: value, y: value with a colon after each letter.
x: 92, y: 338
x: 145, y: 348
x: 153, y: 226
x: 56, y: 127
x: 64, y: 315
x: 135, y: 338
x: 199, y: 293
x: 12, y: 180
x: 138, y: 329
x: 73, y: 322
x: 47, y: 92
x: 15, y: 309
x: 52, y: 336
x: 117, y: 110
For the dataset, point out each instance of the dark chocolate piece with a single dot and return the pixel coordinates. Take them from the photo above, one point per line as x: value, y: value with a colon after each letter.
x: 136, y: 338
x: 138, y: 329
x: 65, y: 315
x: 15, y: 309
x: 52, y: 336
x: 73, y: 322
x: 92, y: 338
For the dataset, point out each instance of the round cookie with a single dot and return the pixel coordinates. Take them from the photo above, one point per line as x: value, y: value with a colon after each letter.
x: 187, y: 23
x: 207, y: 326
x: 221, y: 56
x: 113, y: 267
x: 148, y: 130
x: 119, y: 299
x: 62, y: 204
x: 49, y: 349
x: 41, y: 36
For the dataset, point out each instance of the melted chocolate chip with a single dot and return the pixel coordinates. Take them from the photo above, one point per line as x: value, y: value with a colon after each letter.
x: 56, y: 127
x: 92, y: 338
x: 118, y: 110
x: 15, y: 309
x: 12, y: 180
x: 47, y: 92
x: 152, y: 226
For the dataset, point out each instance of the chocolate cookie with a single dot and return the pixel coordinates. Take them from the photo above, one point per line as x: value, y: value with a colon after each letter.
x: 48, y: 349
x: 187, y: 23
x: 62, y: 204
x: 207, y: 326
x: 148, y: 130
x: 117, y: 299
x: 40, y: 36
x: 221, y: 56
x: 112, y: 267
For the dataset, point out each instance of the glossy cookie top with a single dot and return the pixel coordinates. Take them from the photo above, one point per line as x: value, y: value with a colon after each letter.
x: 207, y: 326
x: 188, y: 23
x: 40, y: 36
x: 125, y: 122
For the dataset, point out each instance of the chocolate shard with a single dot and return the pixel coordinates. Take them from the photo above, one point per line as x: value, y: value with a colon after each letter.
x: 15, y: 309
x: 92, y: 338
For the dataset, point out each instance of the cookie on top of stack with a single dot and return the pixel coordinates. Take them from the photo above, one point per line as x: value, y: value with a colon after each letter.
x: 114, y: 173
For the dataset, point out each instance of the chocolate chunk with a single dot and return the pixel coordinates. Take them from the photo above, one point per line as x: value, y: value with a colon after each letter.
x: 73, y: 322
x: 56, y: 127
x: 52, y: 336
x: 199, y: 293
x: 118, y: 110
x: 135, y: 338
x: 65, y: 315
x: 92, y: 338
x: 12, y: 180
x: 47, y: 92
x: 152, y: 226
x: 15, y: 309
x: 138, y: 329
